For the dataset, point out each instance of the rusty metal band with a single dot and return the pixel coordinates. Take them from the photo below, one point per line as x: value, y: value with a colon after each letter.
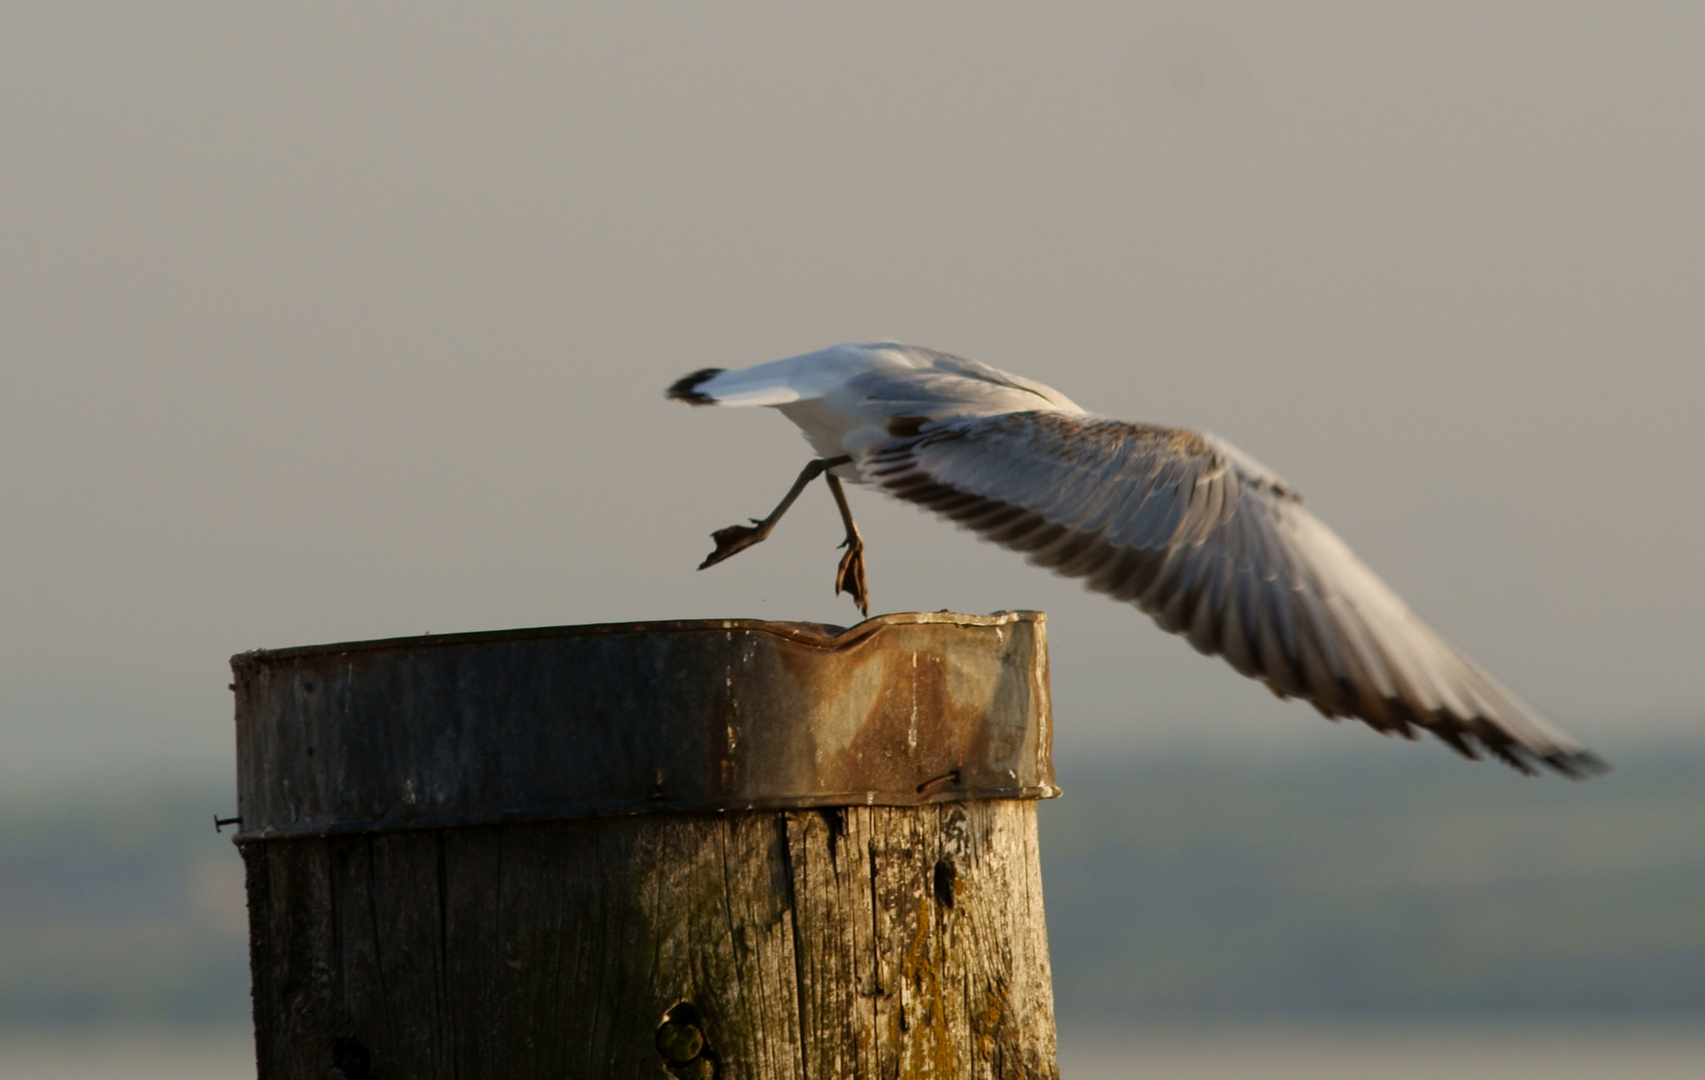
x: 633, y: 718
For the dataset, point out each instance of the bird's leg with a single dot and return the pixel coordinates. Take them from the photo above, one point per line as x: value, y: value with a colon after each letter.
x: 737, y: 538
x: 849, y: 578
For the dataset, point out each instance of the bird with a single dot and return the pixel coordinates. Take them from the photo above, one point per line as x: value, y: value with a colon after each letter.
x: 1206, y: 540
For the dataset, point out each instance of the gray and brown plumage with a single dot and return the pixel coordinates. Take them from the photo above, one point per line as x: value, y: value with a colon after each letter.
x: 1207, y: 541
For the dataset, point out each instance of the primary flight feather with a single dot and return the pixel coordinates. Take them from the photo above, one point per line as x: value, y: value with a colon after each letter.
x: 1207, y: 541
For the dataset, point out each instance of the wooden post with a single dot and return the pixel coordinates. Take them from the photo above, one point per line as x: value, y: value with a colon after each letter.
x: 723, y: 848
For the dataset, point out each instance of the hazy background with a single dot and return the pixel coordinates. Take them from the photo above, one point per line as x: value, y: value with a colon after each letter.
x: 325, y: 322
x: 322, y: 322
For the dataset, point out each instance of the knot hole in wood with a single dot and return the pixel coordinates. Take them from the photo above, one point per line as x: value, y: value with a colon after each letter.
x: 681, y: 1041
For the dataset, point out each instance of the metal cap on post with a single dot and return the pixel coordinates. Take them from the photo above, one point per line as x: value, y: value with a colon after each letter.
x: 714, y: 848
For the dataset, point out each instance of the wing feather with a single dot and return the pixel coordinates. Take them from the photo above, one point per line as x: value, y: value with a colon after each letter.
x: 1213, y: 547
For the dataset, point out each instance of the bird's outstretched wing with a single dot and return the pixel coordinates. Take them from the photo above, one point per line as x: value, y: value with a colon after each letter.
x: 1214, y: 548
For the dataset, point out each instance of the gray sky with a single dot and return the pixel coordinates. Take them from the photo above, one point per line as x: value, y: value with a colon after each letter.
x: 324, y: 322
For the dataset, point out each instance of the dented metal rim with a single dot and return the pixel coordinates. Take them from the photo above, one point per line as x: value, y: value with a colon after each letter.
x: 817, y: 635
x: 627, y: 718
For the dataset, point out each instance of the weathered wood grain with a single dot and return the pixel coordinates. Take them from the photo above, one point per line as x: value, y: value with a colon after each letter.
x: 724, y: 849
x: 859, y: 942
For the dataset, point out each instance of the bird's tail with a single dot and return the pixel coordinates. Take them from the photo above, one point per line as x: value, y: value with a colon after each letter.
x: 766, y: 384
x: 687, y: 388
x: 782, y: 382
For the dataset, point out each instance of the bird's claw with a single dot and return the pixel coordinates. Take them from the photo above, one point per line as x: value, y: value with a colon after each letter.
x: 849, y: 577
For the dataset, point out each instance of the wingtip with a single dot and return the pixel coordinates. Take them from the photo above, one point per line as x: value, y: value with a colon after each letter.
x: 1577, y: 765
x: 687, y: 389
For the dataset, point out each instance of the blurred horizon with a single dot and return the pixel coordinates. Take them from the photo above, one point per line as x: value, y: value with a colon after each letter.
x: 1183, y: 894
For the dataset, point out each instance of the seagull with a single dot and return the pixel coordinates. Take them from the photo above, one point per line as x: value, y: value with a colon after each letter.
x: 1206, y: 540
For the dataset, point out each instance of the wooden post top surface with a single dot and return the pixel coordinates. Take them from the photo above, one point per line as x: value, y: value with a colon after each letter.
x: 660, y: 717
